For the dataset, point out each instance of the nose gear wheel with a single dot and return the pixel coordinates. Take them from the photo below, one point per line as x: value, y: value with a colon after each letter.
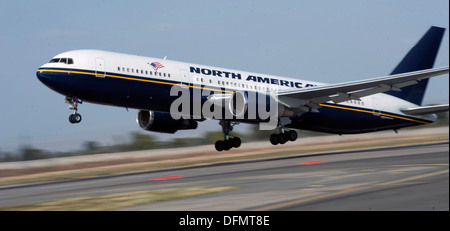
x: 74, y: 101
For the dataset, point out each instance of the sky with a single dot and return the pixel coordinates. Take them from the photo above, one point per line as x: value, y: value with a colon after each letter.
x: 325, y: 41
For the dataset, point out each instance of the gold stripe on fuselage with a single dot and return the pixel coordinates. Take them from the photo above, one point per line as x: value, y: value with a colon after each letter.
x: 130, y: 78
x: 373, y: 112
x: 168, y: 83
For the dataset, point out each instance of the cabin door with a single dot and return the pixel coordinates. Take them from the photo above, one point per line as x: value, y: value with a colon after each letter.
x: 184, y: 81
x: 100, y: 68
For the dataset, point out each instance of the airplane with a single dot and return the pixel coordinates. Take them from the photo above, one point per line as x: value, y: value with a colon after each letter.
x: 153, y: 86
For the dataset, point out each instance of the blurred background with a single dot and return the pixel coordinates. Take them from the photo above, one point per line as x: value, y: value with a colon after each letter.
x: 325, y: 41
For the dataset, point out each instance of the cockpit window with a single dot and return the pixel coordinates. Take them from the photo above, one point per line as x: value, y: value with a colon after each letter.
x: 62, y: 60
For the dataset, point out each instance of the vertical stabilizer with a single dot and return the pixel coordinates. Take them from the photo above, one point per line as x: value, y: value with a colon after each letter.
x: 422, y: 56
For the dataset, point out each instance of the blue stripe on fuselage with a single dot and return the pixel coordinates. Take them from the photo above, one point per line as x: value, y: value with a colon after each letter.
x: 113, y: 89
x: 154, y: 94
x: 339, y: 119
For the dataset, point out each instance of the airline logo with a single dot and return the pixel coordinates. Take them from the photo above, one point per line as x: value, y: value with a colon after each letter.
x: 156, y: 65
x: 252, y: 78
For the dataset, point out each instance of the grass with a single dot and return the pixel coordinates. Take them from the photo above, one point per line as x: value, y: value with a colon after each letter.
x: 118, y: 200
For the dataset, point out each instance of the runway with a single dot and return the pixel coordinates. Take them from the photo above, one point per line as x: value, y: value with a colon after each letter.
x: 395, y: 178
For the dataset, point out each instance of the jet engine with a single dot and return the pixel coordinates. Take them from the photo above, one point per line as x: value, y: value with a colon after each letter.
x: 238, y: 104
x: 163, y: 122
x: 253, y: 105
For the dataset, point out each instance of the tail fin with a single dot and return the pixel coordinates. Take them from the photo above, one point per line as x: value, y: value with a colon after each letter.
x: 420, y: 57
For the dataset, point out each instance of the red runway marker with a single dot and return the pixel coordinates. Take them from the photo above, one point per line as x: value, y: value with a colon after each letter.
x: 312, y: 162
x: 166, y: 177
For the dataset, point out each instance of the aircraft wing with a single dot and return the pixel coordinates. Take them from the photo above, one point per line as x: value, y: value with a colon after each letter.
x: 308, y: 99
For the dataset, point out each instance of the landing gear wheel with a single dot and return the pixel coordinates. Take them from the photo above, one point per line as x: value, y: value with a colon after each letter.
x: 236, y: 142
x: 292, y: 135
x: 75, y: 118
x: 219, y: 145
x: 227, y: 145
x: 283, y: 137
x: 74, y: 101
x: 71, y: 120
x: 274, y: 139
x: 228, y: 142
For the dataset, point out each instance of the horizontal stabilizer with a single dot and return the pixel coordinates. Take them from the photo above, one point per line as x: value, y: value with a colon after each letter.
x: 426, y: 110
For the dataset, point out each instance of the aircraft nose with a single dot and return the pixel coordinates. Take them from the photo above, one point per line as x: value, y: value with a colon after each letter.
x: 44, y: 76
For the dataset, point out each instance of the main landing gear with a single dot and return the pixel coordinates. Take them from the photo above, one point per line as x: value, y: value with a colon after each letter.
x: 235, y: 142
x: 283, y: 137
x: 75, y: 117
x: 228, y: 143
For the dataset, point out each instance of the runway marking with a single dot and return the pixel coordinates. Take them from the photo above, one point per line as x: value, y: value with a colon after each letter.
x: 316, y: 185
x: 312, y: 187
x: 312, y: 162
x: 413, y: 178
x: 166, y: 178
x: 301, y: 201
x: 350, y: 190
x: 396, y: 172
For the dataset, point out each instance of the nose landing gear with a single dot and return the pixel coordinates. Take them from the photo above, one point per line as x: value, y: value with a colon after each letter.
x: 74, y: 101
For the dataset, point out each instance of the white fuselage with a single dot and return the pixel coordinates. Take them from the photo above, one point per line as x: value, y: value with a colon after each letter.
x: 133, y: 72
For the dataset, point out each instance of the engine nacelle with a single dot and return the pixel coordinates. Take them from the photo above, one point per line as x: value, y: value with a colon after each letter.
x: 238, y: 104
x: 163, y: 122
x: 255, y: 105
